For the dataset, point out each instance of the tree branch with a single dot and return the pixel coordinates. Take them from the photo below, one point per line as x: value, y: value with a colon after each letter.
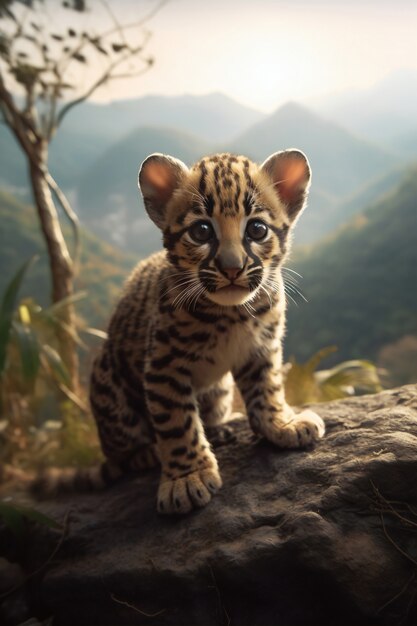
x: 84, y: 41
x: 106, y: 76
x: 141, y: 22
x: 128, y: 74
x: 14, y: 121
x: 22, y: 129
x: 71, y: 215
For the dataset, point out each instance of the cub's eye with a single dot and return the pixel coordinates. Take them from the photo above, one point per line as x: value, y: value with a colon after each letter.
x: 201, y: 231
x: 256, y: 230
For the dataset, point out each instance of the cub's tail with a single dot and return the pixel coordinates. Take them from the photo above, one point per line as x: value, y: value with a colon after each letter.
x: 56, y: 481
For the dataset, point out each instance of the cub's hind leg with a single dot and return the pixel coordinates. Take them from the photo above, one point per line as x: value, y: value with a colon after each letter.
x: 125, y: 434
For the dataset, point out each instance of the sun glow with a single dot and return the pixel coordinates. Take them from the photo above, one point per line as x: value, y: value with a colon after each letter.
x: 266, y: 53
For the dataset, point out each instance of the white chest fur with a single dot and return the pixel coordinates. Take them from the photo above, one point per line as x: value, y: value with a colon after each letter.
x: 226, y: 352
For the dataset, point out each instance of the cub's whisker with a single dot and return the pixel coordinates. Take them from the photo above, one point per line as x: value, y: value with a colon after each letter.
x: 184, y: 294
x: 182, y: 284
x: 268, y: 294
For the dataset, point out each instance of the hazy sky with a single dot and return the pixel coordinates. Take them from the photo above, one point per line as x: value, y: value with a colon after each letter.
x: 264, y: 52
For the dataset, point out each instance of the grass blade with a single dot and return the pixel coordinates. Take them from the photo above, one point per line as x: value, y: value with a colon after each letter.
x: 56, y: 365
x: 29, y: 351
x: 7, y: 307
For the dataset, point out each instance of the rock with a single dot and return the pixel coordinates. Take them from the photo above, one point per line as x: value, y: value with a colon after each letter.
x: 307, y: 537
x: 14, y: 605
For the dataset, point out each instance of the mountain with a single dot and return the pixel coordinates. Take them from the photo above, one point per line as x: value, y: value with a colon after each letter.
x: 361, y: 283
x: 381, y: 112
x: 108, y: 198
x: 90, y: 129
x: 104, y: 268
x: 340, y: 161
x: 405, y: 144
x: 213, y: 117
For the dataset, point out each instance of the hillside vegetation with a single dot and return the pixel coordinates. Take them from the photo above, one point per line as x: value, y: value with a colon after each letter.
x: 361, y: 282
x: 103, y: 268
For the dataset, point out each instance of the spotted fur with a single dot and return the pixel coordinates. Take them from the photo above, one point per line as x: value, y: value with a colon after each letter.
x: 196, y: 314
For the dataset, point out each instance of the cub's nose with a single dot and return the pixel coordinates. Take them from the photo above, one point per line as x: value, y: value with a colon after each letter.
x: 232, y: 272
x: 230, y: 261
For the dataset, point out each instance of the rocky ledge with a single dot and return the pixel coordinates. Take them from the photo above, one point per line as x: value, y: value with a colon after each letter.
x: 320, y: 536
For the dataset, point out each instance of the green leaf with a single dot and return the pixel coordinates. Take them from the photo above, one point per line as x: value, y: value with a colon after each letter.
x: 13, y: 519
x: 56, y: 365
x: 29, y: 350
x: 38, y: 517
x: 7, y: 307
x: 356, y: 373
x: 304, y: 384
x: 14, y: 515
x: 313, y: 362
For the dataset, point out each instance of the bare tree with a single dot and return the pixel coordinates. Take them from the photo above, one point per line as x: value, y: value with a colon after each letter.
x: 36, y: 75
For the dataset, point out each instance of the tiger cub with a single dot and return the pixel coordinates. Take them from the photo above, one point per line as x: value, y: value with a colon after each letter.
x: 207, y: 310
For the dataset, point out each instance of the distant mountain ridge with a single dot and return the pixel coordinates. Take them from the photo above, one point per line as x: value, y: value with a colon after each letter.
x: 340, y: 161
x: 381, y: 112
x: 213, y: 117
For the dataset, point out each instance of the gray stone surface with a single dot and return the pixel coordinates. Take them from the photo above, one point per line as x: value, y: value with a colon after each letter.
x: 294, y: 537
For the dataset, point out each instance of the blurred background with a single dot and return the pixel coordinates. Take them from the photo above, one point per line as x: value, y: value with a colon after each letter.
x: 89, y: 89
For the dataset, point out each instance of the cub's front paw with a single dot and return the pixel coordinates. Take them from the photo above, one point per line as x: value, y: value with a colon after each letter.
x: 296, y: 431
x: 181, y: 495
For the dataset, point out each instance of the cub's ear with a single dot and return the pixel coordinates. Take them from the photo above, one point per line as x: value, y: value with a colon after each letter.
x: 159, y: 176
x: 291, y: 174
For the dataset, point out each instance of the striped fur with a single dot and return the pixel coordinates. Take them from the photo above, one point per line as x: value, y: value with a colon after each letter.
x: 206, y: 311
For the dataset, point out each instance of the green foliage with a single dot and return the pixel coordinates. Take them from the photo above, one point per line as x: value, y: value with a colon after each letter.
x: 32, y: 373
x: 26, y: 331
x: 304, y: 384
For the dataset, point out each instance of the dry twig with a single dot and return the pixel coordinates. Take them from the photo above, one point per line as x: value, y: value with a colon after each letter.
x: 135, y: 608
